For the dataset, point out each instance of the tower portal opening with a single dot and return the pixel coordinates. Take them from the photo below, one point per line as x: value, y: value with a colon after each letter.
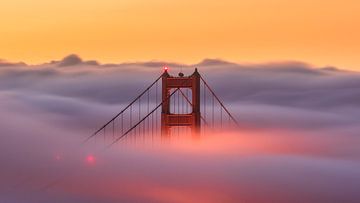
x: 181, y: 101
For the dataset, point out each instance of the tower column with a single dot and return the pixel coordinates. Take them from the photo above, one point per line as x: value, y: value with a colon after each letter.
x: 165, y: 108
x: 196, y: 102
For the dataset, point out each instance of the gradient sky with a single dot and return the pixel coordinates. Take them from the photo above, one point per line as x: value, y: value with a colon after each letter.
x: 316, y: 31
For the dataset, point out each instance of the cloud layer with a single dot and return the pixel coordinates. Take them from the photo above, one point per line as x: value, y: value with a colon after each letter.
x: 286, y: 94
x: 298, y: 121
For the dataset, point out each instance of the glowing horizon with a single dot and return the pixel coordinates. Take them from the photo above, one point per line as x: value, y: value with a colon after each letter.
x: 318, y: 32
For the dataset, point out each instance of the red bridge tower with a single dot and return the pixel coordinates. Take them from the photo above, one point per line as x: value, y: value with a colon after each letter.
x: 169, y: 119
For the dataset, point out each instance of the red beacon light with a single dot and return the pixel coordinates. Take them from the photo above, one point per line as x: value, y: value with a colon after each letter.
x: 90, y: 159
x: 166, y: 68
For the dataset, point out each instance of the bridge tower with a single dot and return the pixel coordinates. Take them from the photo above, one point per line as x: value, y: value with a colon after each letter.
x: 169, y: 119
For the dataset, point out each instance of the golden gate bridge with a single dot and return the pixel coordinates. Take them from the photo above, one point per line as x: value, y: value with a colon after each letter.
x: 182, y: 105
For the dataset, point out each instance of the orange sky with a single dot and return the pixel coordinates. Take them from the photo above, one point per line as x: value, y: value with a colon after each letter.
x: 315, y: 31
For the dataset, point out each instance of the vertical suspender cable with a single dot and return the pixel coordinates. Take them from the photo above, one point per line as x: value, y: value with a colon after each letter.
x: 212, y: 116
x: 156, y: 101
x: 148, y: 109
x: 139, y: 114
x: 156, y: 95
x: 221, y: 117
x: 130, y: 115
x: 113, y: 129
x: 104, y: 136
x: 178, y: 99
x: 204, y: 89
x: 122, y: 123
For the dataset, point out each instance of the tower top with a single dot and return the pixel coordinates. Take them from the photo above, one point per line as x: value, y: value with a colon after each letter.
x: 181, y: 74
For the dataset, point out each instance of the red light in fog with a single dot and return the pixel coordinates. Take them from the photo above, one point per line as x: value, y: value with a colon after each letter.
x: 166, y: 68
x: 90, y: 159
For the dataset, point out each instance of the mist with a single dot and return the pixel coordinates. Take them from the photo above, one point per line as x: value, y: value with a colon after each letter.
x: 298, y: 140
